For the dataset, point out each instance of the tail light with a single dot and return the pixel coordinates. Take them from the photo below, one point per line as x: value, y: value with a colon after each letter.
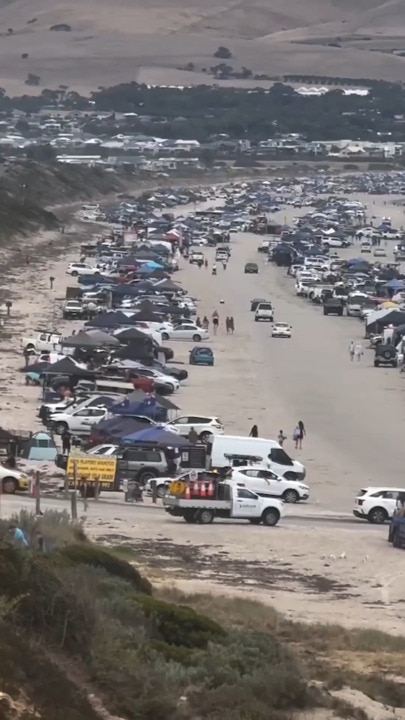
x: 360, y: 502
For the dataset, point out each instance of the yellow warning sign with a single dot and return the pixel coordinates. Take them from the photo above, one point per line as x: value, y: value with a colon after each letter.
x: 91, y: 468
x: 177, y: 487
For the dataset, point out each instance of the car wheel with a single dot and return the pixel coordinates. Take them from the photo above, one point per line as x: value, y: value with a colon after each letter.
x: 376, y: 363
x: 9, y: 485
x: 377, y: 516
x: 60, y: 427
x: 197, y: 338
x: 161, y: 491
x: 205, y: 436
x: 290, y: 496
x: 190, y: 516
x: 143, y: 476
x: 75, y: 273
x: 205, y: 517
x: 270, y: 517
x: 165, y: 336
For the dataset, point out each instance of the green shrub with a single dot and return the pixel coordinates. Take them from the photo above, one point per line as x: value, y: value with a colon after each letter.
x: 248, y: 676
x: 180, y: 625
x: 47, y: 604
x: 56, y: 527
x: 89, y: 554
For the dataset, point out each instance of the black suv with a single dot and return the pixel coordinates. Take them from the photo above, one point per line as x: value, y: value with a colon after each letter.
x: 385, y: 355
x: 333, y: 306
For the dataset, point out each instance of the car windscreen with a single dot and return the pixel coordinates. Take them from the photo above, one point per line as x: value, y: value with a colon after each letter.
x: 280, y: 456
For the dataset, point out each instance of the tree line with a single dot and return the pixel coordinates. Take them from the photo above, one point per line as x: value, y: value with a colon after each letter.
x: 203, y: 112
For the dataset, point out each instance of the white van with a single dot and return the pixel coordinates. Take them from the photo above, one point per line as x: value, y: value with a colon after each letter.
x: 221, y: 447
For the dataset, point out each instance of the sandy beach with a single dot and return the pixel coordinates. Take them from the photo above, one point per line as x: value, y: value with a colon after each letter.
x: 353, y: 414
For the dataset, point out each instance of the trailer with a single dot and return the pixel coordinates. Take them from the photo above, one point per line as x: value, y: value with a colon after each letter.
x: 202, y: 502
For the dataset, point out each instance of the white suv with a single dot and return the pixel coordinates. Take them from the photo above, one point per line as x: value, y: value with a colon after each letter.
x: 264, y: 311
x: 78, y: 268
x: 78, y: 422
x: 376, y: 504
x: 267, y: 484
x: 203, y: 425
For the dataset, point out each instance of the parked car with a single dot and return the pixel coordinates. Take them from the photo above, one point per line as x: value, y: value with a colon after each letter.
x: 201, y: 356
x: 41, y: 342
x: 333, y: 306
x: 142, y: 463
x: 72, y: 310
x: 186, y: 332
x: 196, y: 257
x: 385, y: 355
x: 12, y: 480
x: 78, y: 422
x: 264, y: 311
x: 251, y: 268
x: 376, y: 504
x: 203, y: 425
x: 266, y: 483
x: 78, y: 268
x: 281, y: 330
x: 159, y: 377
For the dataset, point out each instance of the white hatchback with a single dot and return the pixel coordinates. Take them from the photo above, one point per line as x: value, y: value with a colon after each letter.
x: 377, y: 504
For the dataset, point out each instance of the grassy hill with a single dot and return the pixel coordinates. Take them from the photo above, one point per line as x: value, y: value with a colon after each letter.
x: 83, y: 636
x: 27, y: 188
x: 149, y: 41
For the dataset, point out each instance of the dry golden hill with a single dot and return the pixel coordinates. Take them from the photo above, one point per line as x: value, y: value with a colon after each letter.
x: 107, y: 42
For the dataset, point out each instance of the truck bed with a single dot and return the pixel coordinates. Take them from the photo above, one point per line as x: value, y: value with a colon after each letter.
x: 179, y: 502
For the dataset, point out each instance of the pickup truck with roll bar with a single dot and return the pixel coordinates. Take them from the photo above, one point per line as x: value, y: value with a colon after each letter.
x: 230, y: 500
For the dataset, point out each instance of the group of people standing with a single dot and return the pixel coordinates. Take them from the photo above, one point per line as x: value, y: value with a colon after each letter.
x: 298, y: 435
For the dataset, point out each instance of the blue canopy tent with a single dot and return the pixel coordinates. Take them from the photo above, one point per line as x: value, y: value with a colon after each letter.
x: 395, y: 284
x: 157, y: 436
x: 147, y: 406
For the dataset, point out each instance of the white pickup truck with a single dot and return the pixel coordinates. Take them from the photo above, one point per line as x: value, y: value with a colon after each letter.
x: 41, y: 341
x: 237, y: 503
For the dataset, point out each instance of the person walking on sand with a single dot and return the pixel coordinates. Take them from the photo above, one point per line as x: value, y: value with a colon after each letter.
x: 281, y: 437
x: 66, y: 442
x: 231, y: 324
x: 205, y: 323
x: 299, y: 434
x: 205, y: 263
x: 215, y: 323
x: 358, y: 351
x: 254, y: 433
x: 351, y: 350
x: 228, y: 329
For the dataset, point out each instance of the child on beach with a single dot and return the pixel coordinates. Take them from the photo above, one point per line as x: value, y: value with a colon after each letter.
x: 281, y: 437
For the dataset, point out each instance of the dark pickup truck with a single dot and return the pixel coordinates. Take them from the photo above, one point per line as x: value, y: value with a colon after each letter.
x: 333, y: 306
